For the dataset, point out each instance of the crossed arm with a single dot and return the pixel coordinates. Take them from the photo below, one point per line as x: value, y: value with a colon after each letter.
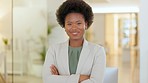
x: 54, y: 71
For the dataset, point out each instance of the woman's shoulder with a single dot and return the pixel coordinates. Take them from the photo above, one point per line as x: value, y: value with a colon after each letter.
x: 57, y: 45
x: 94, y: 45
x: 97, y: 48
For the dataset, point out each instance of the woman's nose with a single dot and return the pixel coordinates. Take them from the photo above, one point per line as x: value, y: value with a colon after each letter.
x: 74, y: 26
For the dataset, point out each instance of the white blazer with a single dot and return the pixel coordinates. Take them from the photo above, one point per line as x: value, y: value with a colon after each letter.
x: 92, y: 62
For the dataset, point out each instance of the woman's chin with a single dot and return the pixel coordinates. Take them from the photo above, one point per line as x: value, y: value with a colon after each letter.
x: 76, y: 38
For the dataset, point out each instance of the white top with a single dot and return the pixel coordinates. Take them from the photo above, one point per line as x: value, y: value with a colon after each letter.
x: 92, y: 61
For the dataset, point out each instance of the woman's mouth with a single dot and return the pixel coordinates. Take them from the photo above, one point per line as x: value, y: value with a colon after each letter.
x: 75, y: 33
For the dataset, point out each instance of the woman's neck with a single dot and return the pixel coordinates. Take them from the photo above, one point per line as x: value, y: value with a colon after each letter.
x: 76, y: 43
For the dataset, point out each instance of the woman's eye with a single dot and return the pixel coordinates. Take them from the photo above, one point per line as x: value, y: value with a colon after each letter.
x: 79, y: 23
x: 68, y: 24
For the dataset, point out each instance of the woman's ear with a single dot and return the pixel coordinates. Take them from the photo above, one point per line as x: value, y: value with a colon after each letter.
x: 86, y: 26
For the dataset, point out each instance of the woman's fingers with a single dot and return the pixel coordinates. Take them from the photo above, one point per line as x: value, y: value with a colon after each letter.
x: 54, y: 70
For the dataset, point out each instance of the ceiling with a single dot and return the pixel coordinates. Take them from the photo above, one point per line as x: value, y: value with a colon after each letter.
x: 111, y: 1
x: 97, y: 1
x: 96, y: 4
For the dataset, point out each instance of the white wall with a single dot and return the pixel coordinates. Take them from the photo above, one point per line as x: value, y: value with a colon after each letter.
x: 5, y: 22
x: 143, y: 42
x: 98, y: 29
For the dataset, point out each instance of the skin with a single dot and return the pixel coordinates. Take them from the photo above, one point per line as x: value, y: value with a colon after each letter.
x: 75, y: 26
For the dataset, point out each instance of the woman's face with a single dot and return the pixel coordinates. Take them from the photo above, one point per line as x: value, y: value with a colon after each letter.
x: 75, y: 26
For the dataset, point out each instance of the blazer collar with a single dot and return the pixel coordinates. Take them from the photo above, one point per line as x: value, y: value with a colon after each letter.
x: 83, y: 56
x: 64, y: 58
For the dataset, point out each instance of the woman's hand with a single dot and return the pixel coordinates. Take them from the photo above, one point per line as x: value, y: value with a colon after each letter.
x: 54, y: 70
x: 83, y: 77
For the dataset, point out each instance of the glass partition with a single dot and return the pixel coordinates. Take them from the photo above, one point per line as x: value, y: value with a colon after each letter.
x: 29, y: 27
x: 29, y: 39
x: 5, y: 41
x: 119, y: 34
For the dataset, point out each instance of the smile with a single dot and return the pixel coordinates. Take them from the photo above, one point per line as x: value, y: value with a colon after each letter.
x: 74, y: 33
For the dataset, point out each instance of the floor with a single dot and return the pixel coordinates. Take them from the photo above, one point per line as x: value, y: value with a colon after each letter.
x: 127, y: 64
x: 26, y: 79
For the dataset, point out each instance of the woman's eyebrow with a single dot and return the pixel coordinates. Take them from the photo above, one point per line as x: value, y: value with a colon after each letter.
x: 71, y: 22
x: 78, y: 21
x: 68, y: 22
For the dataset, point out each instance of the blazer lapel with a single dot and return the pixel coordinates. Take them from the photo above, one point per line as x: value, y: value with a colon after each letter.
x: 83, y: 56
x: 64, y: 57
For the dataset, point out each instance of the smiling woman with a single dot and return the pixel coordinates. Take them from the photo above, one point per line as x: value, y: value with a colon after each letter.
x: 75, y: 60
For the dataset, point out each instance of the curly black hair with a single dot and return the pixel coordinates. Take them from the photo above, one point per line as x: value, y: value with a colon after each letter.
x: 74, y: 6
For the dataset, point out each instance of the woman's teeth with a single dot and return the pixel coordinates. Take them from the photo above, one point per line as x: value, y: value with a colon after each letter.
x: 75, y: 33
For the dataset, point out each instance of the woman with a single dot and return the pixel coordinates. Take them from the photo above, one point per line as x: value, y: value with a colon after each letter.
x: 76, y: 60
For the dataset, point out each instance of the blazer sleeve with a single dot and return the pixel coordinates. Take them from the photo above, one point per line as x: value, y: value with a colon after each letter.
x: 48, y: 77
x: 98, y: 69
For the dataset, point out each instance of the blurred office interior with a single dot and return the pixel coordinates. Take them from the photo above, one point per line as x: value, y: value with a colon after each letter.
x: 29, y: 27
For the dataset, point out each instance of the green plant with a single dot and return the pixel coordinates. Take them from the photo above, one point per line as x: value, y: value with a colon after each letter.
x: 43, y: 53
x: 43, y: 41
x: 5, y: 41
